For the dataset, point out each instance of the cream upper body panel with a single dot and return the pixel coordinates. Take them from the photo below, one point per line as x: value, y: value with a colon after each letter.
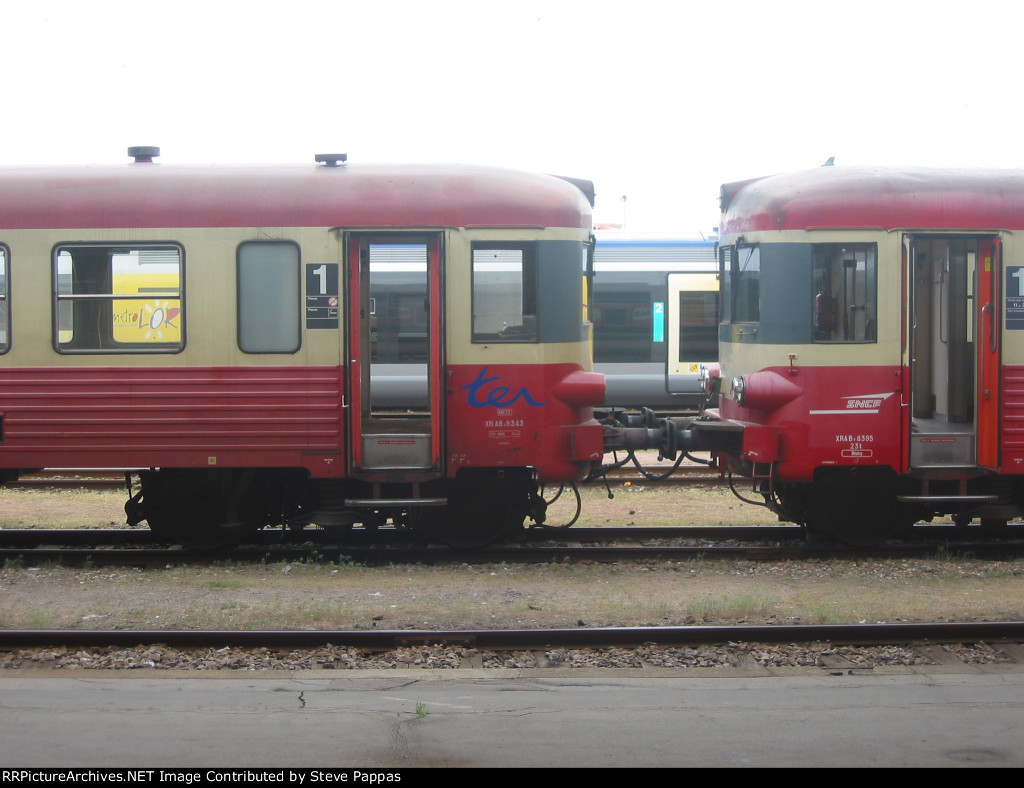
x: 209, y: 303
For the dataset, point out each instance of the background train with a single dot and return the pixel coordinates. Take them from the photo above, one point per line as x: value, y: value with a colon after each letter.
x: 627, y: 309
x: 872, y: 346
x: 216, y: 329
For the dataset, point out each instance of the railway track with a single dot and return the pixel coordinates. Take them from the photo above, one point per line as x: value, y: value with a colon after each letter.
x: 57, y: 479
x: 651, y: 475
x: 358, y: 537
x: 958, y: 646
x: 123, y: 548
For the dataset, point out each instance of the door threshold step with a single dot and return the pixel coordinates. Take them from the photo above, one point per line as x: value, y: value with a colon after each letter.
x: 928, y: 498
x: 380, y: 502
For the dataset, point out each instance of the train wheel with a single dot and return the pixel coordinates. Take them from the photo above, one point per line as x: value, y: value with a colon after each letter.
x: 483, y: 507
x: 858, y: 507
x: 200, y: 512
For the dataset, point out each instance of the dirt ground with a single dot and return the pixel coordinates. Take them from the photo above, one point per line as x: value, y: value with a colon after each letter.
x: 320, y: 595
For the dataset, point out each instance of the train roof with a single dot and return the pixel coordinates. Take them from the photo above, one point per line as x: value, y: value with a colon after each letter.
x: 148, y: 194
x: 876, y: 198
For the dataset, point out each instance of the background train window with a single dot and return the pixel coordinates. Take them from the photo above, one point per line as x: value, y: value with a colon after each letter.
x: 504, y: 292
x: 845, y: 293
x: 269, y: 297
x: 698, y: 325
x: 5, y: 315
x: 622, y: 324
x: 398, y: 304
x: 118, y: 299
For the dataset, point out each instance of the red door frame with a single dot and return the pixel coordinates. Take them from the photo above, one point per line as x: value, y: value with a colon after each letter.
x: 357, y: 346
x: 988, y: 340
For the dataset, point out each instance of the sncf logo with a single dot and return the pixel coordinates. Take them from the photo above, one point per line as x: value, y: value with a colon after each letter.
x: 866, y: 401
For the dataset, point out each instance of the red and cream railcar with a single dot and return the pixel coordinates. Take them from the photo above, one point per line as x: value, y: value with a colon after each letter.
x: 212, y: 328
x: 872, y: 345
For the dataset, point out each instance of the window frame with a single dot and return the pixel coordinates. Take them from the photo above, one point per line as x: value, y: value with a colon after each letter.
x: 690, y: 332
x: 529, y: 328
x: 108, y: 333
x: 298, y: 301
x: 821, y: 298
x: 746, y: 299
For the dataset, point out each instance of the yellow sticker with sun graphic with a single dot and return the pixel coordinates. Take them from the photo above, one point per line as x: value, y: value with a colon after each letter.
x: 156, y: 319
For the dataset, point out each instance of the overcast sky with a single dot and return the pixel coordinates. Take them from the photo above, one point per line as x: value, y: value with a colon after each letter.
x: 658, y: 102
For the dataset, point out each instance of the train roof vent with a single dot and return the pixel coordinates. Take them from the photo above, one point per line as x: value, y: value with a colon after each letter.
x: 587, y: 187
x: 331, y: 159
x: 144, y: 154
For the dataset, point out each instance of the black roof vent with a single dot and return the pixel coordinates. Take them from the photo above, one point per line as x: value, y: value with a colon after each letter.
x: 587, y: 187
x: 331, y: 159
x: 144, y: 154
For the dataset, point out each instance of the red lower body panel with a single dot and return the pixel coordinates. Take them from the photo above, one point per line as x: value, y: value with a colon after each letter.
x: 1012, y: 420
x: 249, y: 417
x: 524, y: 415
x: 120, y: 417
x: 838, y: 416
x: 850, y: 416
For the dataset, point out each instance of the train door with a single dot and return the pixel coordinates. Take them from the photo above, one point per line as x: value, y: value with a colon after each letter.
x: 691, y: 329
x: 953, y: 351
x: 394, y: 312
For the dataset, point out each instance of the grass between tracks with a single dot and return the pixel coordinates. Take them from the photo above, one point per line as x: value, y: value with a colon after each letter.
x: 313, y: 595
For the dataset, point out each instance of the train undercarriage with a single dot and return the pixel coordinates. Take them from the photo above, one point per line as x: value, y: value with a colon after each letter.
x: 863, y: 506
x: 210, y: 509
x: 217, y: 508
x: 860, y: 506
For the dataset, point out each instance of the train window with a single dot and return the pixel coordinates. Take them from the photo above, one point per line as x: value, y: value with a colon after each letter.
x: 124, y: 298
x: 269, y: 297
x: 725, y: 262
x: 622, y: 322
x: 698, y: 325
x: 745, y: 284
x: 505, y: 292
x: 5, y: 315
x: 845, y: 289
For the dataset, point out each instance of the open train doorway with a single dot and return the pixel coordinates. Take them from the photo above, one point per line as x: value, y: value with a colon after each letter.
x: 404, y: 324
x: 954, y: 351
